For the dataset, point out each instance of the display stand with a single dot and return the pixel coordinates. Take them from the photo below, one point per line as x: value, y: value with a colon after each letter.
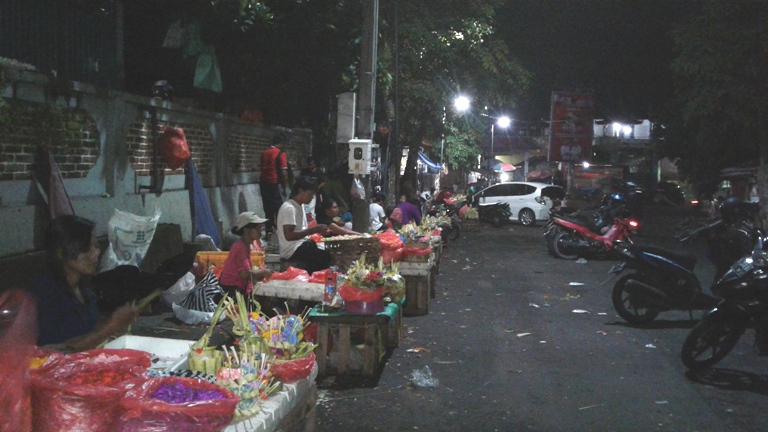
x: 295, y: 290
x: 419, y: 286
x: 379, y: 331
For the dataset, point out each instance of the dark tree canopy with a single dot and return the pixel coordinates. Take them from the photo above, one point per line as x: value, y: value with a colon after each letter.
x: 716, y: 118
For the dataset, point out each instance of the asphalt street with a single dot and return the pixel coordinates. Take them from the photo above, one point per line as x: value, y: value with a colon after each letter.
x: 519, y: 340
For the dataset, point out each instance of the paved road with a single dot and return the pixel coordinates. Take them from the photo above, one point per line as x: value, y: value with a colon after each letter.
x: 520, y: 340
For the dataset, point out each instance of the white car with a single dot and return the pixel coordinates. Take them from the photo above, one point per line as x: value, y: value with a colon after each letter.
x: 528, y: 201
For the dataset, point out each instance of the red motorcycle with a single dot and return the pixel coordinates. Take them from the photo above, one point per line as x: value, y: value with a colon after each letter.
x: 574, y: 240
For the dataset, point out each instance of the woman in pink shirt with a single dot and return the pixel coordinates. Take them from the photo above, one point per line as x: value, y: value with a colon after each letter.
x: 238, y: 273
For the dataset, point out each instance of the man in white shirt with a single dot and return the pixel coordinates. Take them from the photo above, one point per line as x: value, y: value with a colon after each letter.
x: 377, y: 214
x: 293, y: 233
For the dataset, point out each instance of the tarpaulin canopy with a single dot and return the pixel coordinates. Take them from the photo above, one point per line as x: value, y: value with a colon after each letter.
x: 432, y: 167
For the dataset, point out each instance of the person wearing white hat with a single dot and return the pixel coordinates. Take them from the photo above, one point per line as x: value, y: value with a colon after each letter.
x: 238, y: 273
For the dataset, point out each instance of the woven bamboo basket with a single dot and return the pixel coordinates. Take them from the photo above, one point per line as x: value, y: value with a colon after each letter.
x: 345, y: 252
x: 471, y: 225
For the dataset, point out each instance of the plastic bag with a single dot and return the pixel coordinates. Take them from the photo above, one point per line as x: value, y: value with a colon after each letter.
x: 289, y: 371
x: 61, y: 406
x: 140, y: 412
x: 18, y: 333
x: 173, y: 147
x: 178, y: 291
x: 389, y: 256
x: 414, y: 251
x: 357, y: 191
x: 199, y: 304
x: 351, y: 293
x: 423, y: 378
x: 291, y: 273
x: 129, y: 239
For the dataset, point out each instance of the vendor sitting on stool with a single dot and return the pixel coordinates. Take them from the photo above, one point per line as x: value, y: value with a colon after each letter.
x: 329, y: 215
x: 68, y: 317
x: 238, y: 273
x: 293, y: 233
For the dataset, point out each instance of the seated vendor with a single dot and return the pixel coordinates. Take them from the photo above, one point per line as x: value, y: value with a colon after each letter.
x: 238, y: 273
x: 329, y: 215
x: 68, y: 317
x: 293, y: 233
x: 445, y: 196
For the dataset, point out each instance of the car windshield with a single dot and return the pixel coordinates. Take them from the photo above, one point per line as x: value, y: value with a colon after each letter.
x: 553, y: 192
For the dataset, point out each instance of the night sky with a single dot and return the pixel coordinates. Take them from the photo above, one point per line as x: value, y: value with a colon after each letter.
x: 619, y: 49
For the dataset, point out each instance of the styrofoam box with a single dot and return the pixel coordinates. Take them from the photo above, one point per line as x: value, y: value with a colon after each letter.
x: 167, y: 354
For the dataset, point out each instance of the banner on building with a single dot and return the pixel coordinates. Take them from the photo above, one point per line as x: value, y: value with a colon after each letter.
x: 571, y: 128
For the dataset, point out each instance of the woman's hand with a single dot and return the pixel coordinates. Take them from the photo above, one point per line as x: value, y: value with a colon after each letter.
x: 121, y: 318
x: 261, y: 274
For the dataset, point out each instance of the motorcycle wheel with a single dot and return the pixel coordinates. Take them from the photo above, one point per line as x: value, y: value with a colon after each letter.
x: 558, y: 246
x: 454, y: 232
x: 709, y: 342
x: 628, y: 306
x: 527, y: 217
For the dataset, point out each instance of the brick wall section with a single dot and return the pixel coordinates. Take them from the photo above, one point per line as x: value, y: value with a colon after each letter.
x: 74, y: 144
x: 245, y: 152
x: 139, y: 144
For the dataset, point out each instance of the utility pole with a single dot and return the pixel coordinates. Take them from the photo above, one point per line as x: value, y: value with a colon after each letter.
x: 366, y: 104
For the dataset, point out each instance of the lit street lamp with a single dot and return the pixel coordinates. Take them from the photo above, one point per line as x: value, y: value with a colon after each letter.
x: 461, y: 103
x: 503, y: 122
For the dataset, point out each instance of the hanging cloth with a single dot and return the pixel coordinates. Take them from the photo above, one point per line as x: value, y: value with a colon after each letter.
x: 51, y: 185
x: 207, y: 72
x: 202, y: 217
x: 432, y: 167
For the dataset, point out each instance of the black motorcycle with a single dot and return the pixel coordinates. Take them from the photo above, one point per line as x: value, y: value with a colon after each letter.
x: 744, y: 304
x: 451, y: 227
x: 497, y: 213
x: 663, y: 280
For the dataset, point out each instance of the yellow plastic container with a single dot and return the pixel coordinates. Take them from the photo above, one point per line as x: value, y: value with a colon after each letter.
x: 213, y: 259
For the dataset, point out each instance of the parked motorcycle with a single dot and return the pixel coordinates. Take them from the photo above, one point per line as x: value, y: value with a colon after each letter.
x: 497, y: 213
x: 451, y: 229
x: 663, y: 280
x: 597, y: 220
x: 573, y: 239
x: 744, y: 293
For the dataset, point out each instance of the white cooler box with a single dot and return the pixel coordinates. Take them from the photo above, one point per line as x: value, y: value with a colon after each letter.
x: 167, y: 354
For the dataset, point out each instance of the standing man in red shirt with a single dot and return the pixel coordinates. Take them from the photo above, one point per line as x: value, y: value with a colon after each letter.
x: 274, y: 178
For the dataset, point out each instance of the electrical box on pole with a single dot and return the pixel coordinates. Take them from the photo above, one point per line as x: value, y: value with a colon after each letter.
x: 363, y: 156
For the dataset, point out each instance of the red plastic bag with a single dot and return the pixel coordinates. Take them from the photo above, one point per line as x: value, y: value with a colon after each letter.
x: 351, y: 293
x: 389, y: 240
x: 289, y: 371
x: 17, y: 338
x: 61, y: 406
x: 321, y: 276
x: 140, y: 412
x: 291, y: 273
x: 389, y: 256
x: 317, y: 237
x: 412, y: 251
x: 173, y: 147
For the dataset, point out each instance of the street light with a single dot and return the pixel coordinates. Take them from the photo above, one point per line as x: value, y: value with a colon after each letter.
x: 461, y: 103
x: 503, y: 122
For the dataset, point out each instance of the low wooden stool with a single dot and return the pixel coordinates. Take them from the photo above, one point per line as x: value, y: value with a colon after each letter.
x: 378, y: 330
x: 417, y: 290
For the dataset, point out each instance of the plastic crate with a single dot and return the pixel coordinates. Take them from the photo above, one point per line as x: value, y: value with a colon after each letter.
x: 213, y: 259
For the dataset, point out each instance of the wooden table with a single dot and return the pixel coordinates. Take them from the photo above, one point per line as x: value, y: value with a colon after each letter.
x: 380, y: 331
x: 419, y: 285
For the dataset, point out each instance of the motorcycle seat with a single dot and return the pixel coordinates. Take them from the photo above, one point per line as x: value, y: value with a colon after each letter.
x: 684, y: 259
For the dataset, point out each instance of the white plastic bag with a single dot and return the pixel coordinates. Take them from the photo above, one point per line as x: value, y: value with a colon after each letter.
x: 358, y: 191
x: 178, y: 291
x: 129, y: 239
x: 192, y: 317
